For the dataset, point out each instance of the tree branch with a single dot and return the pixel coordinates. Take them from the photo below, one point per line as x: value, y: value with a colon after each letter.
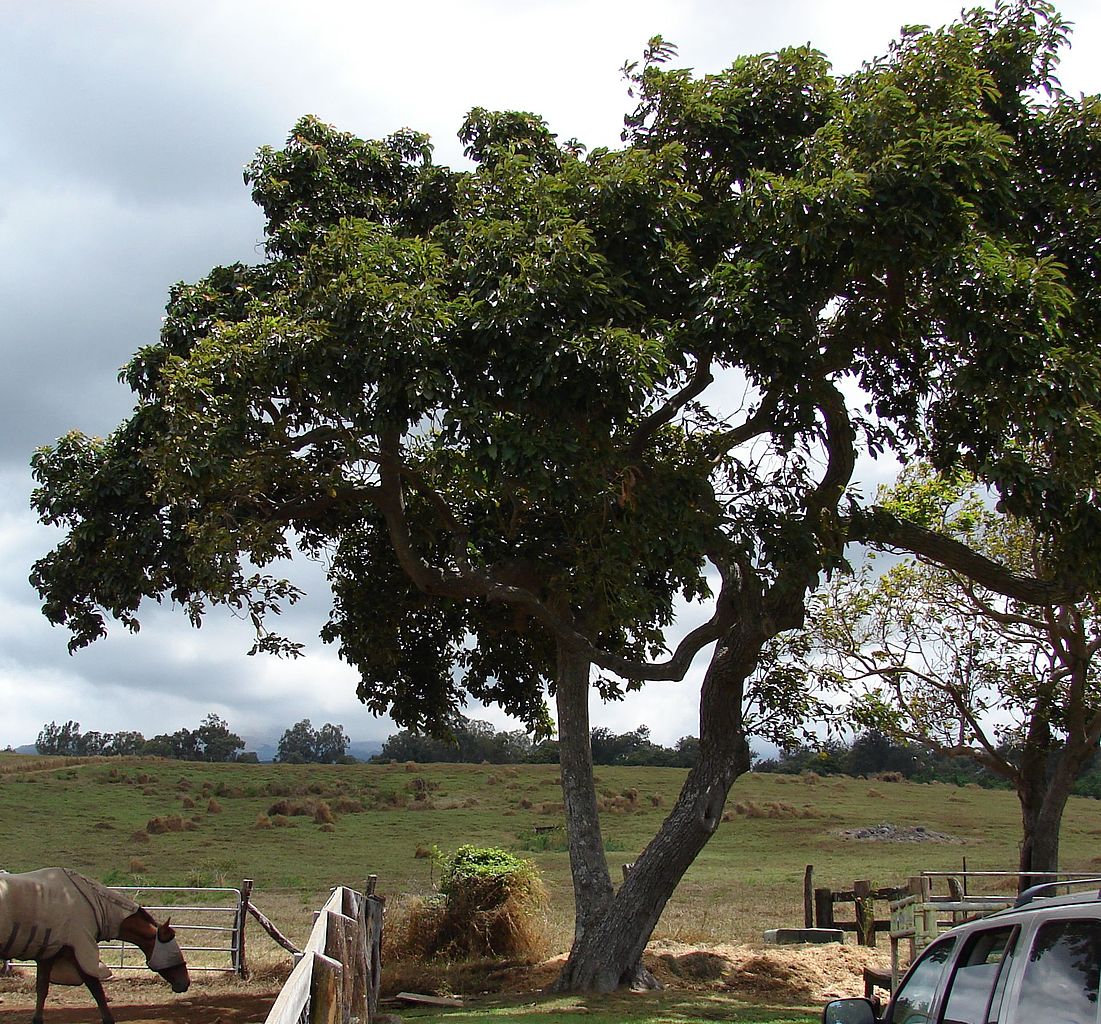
x: 698, y: 383
x: 471, y: 582
x: 877, y: 526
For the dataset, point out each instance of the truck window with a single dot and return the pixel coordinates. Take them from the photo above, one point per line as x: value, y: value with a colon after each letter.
x: 914, y: 1000
x: 1060, y: 980
x: 979, y: 967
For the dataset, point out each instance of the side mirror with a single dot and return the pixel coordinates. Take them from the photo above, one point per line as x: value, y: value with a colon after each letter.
x: 850, y: 1011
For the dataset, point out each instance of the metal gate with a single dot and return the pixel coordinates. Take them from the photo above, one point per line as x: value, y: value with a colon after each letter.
x: 209, y: 924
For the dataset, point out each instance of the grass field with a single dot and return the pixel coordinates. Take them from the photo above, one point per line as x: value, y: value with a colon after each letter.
x: 299, y: 829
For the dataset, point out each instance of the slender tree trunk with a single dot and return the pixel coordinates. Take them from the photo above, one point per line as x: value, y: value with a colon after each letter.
x: 607, y: 953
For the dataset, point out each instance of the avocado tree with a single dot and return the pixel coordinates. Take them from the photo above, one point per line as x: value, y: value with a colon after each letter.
x: 526, y: 409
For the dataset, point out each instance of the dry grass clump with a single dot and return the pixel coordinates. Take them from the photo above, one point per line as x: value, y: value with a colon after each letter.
x: 169, y: 823
x: 262, y: 822
x: 307, y: 807
x: 420, y: 788
x: 455, y: 803
x: 213, y: 807
x: 141, y: 836
x: 490, y: 904
x: 776, y: 809
x: 392, y: 800
x: 348, y: 805
x: 422, y: 853
x: 282, y: 821
x: 889, y: 777
x: 137, y: 866
x: 187, y: 803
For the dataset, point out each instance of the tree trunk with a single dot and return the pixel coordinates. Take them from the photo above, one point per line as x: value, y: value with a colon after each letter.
x: 607, y: 953
x: 592, y: 884
x: 1043, y: 795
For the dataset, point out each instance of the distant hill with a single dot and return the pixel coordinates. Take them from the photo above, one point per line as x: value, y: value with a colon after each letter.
x: 364, y: 750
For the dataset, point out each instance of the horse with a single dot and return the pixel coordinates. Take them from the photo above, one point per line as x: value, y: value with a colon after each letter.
x: 57, y: 918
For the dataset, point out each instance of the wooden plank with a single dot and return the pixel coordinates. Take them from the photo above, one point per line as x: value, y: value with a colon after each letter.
x: 416, y: 999
x: 865, y: 912
x: 294, y: 995
x: 274, y: 932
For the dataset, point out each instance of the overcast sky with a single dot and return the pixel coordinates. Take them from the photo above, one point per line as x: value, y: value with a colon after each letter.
x: 123, y: 134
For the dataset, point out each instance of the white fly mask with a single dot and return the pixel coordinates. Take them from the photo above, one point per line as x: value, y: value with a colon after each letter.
x: 165, y: 955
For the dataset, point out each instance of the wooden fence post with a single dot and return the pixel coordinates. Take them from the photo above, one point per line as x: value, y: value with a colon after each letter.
x: 376, y: 907
x: 808, y: 897
x: 325, y: 990
x: 823, y: 908
x: 865, y: 912
x: 239, y: 926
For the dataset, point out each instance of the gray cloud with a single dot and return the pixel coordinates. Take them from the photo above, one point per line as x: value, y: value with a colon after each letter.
x: 122, y: 138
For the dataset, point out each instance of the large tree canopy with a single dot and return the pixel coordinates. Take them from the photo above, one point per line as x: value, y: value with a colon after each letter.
x: 525, y: 409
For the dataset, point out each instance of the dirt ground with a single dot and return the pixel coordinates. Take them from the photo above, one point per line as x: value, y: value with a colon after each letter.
x: 796, y: 975
x: 148, y: 1001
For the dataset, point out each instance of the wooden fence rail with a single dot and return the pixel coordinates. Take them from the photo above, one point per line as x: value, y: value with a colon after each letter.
x: 336, y: 980
x: 819, y: 903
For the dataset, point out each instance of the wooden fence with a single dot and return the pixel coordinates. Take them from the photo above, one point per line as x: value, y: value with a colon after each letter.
x: 819, y: 907
x: 918, y: 911
x: 336, y: 980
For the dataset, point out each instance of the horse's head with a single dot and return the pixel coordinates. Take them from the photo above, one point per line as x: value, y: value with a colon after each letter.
x: 167, y: 959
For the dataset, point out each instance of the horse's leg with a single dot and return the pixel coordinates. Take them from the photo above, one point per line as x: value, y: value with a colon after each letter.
x: 41, y: 987
x: 95, y: 986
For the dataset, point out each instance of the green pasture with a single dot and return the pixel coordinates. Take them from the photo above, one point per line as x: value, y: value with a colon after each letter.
x: 239, y: 821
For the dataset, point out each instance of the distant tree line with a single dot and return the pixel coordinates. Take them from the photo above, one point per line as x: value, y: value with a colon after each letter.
x: 872, y: 753
x: 211, y: 741
x: 473, y: 742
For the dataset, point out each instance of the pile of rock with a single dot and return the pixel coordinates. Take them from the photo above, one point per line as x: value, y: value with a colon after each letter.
x: 888, y: 833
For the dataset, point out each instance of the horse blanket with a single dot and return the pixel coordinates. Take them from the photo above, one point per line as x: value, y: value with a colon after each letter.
x: 43, y: 911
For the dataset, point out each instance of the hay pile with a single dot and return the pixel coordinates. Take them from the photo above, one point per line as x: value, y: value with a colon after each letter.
x: 808, y: 975
x: 490, y: 904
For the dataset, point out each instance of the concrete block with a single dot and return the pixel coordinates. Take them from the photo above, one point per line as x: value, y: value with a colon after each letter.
x: 794, y: 936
